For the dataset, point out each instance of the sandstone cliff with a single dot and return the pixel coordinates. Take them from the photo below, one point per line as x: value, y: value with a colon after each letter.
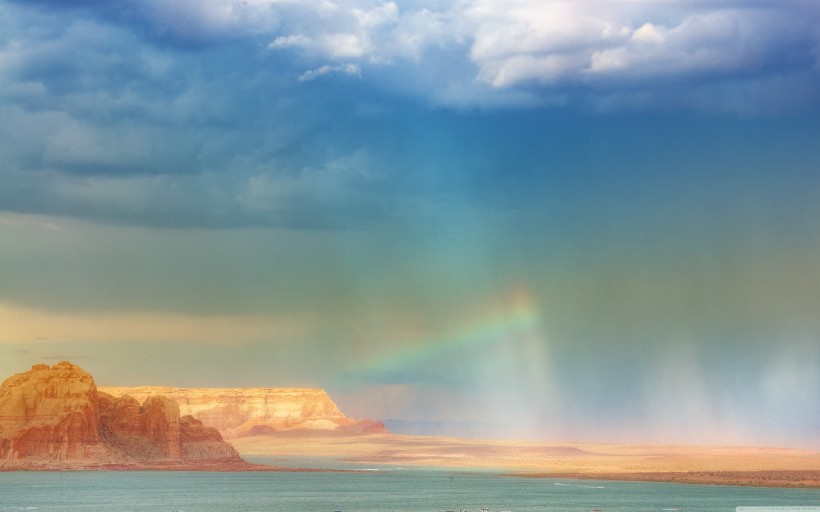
x: 50, y: 412
x: 238, y: 412
x: 56, y: 416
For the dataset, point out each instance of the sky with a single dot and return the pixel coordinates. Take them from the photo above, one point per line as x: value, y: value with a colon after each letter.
x: 569, y: 220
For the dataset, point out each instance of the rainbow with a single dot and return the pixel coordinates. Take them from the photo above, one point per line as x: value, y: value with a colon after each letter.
x: 492, y: 326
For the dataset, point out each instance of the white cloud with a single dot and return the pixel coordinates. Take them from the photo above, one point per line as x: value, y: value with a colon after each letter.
x: 648, y: 33
x: 608, y: 60
x: 289, y: 42
x: 554, y: 44
x: 484, y: 49
x: 345, y: 45
x: 573, y: 44
x: 199, y: 19
x: 312, y: 74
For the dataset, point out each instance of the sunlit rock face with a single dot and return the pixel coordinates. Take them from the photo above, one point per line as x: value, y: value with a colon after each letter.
x: 55, y: 414
x: 253, y: 411
x: 49, y: 412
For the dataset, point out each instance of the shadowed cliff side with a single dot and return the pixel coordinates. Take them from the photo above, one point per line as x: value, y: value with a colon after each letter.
x: 155, y: 431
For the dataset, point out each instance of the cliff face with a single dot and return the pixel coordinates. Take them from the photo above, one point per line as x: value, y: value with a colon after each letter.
x: 155, y: 430
x: 49, y: 412
x: 55, y: 414
x: 203, y: 443
x: 251, y: 411
x: 148, y: 432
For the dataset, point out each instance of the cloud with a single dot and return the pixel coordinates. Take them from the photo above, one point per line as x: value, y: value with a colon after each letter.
x: 312, y: 74
x: 186, y: 22
x: 289, y: 42
x: 347, y: 188
x: 96, y: 123
x: 197, y: 113
x: 595, y: 49
x: 592, y: 47
x: 211, y: 19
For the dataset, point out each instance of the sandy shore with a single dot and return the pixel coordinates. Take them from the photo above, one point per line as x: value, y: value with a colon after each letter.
x: 724, y: 465
x: 789, y: 479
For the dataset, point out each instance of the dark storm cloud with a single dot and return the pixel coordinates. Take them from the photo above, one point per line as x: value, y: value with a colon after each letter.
x: 98, y: 124
x: 225, y: 113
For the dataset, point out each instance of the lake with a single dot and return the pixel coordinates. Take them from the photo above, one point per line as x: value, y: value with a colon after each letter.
x: 367, y: 491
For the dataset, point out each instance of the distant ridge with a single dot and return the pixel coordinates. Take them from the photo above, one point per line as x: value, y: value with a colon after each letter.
x: 241, y: 412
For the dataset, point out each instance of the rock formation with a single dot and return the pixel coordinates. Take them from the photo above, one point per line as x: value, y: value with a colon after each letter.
x: 149, y: 432
x: 55, y: 415
x: 49, y: 412
x: 253, y: 411
x: 203, y: 442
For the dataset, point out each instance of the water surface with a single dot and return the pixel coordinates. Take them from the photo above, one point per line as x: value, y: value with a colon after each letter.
x: 366, y: 491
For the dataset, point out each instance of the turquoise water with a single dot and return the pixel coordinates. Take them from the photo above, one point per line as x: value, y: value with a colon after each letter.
x: 366, y: 491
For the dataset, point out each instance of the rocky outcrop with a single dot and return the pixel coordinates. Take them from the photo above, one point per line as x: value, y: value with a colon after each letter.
x: 49, y: 412
x: 200, y: 442
x: 239, y: 412
x: 56, y: 415
x: 148, y: 432
x: 155, y: 430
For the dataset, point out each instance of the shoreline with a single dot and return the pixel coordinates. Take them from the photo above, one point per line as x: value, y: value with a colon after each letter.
x: 808, y: 479
x: 217, y: 467
x: 782, y: 479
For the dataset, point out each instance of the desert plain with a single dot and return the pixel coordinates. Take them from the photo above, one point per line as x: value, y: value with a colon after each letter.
x: 720, y: 465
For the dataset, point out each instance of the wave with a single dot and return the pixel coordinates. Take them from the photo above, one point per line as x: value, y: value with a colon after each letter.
x: 582, y: 486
